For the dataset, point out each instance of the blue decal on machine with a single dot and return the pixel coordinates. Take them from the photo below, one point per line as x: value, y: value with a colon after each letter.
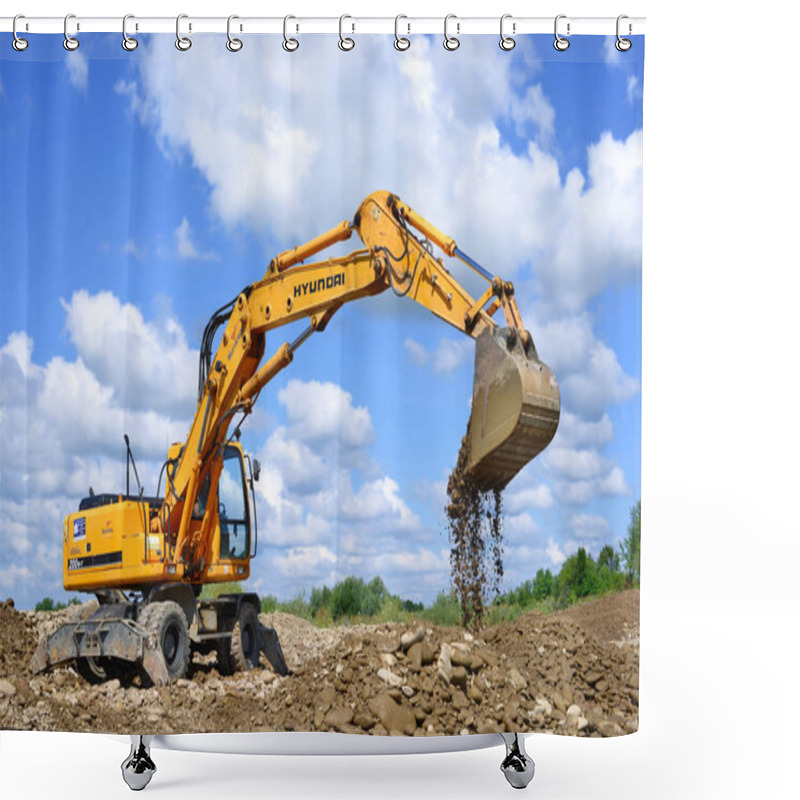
x: 79, y: 529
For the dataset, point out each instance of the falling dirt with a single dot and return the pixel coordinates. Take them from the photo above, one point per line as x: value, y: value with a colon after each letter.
x: 474, y: 527
x: 555, y: 673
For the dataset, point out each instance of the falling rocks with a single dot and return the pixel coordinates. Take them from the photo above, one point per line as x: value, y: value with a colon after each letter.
x: 392, y: 716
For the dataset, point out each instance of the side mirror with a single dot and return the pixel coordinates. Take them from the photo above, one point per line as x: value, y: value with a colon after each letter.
x: 256, y: 469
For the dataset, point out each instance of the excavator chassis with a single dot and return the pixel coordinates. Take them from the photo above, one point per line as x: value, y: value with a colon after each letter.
x: 112, y: 633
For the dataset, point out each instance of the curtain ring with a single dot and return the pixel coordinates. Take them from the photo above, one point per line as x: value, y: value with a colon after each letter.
x: 18, y: 43
x: 128, y: 42
x: 561, y: 43
x: 183, y: 43
x: 623, y: 45
x: 507, y: 42
x: 234, y: 45
x: 289, y: 45
x: 345, y: 42
x: 70, y: 42
x: 400, y: 42
x: 450, y: 42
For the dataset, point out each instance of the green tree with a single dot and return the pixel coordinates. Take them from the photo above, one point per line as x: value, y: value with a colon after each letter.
x: 630, y: 548
x: 346, y: 597
x: 608, y: 558
x: 46, y: 604
x: 542, y: 584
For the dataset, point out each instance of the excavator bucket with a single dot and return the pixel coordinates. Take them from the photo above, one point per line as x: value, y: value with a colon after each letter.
x: 515, y: 407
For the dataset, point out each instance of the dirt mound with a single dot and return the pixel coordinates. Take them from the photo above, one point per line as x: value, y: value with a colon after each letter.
x: 614, y: 618
x: 537, y: 673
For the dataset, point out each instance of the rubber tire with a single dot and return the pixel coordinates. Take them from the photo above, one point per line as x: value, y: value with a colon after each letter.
x: 242, y: 652
x: 100, y: 670
x: 166, y: 619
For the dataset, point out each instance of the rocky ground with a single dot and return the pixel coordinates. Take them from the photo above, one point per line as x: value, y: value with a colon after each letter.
x: 574, y: 672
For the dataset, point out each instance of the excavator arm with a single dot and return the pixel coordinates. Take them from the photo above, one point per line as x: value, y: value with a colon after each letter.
x: 515, y: 397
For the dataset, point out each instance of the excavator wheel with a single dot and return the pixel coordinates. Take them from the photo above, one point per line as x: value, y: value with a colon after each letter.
x: 165, y: 618
x: 242, y: 651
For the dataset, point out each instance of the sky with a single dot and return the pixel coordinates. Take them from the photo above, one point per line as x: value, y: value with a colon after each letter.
x: 141, y: 191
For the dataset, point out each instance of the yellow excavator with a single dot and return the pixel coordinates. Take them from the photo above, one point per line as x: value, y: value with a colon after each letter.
x: 147, y: 558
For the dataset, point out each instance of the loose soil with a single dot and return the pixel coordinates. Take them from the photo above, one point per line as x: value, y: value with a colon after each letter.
x: 574, y: 672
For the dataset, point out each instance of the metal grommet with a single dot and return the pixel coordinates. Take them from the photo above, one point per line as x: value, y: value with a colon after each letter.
x: 70, y: 42
x: 345, y: 42
x: 183, y: 43
x: 234, y: 45
x: 561, y: 43
x: 507, y: 42
x: 623, y: 45
x: 451, y: 42
x: 18, y: 43
x: 400, y: 42
x: 128, y: 42
x: 289, y: 45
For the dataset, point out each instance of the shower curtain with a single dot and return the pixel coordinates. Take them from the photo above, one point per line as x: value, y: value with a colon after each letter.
x: 345, y: 569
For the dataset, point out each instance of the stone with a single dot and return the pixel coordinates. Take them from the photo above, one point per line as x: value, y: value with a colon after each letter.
x: 460, y: 658
x: 408, y: 691
x: 558, y: 701
x: 392, y: 716
x: 387, y: 676
x: 114, y: 685
x: 543, y: 705
x: 468, y: 637
x: 490, y: 726
x: 415, y: 656
x: 325, y: 698
x: 458, y: 677
x: 593, y: 677
x: 7, y: 688
x: 444, y: 667
x: 339, y: 717
x: 412, y: 637
x: 389, y: 659
x: 364, y: 720
x: 475, y: 694
x: 476, y: 663
x: 459, y: 700
x: 516, y: 679
x: 609, y: 728
x: 573, y: 711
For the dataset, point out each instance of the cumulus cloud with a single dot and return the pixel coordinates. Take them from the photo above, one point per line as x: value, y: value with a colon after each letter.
x: 590, y: 528
x: 275, y: 151
x: 448, y: 356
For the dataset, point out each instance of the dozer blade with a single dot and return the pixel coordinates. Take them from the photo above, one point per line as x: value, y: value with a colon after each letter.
x: 515, y: 407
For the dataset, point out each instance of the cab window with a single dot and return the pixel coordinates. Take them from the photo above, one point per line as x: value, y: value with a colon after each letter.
x: 234, y: 520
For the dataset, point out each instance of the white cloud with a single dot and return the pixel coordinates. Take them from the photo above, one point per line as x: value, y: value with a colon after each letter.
x: 555, y: 553
x: 77, y: 70
x: 449, y: 355
x: 144, y: 364
x: 130, y: 248
x: 535, y: 108
x: 185, y: 245
x: 633, y: 91
x: 589, y: 374
x: 61, y: 424
x: 590, y: 528
x: 274, y: 153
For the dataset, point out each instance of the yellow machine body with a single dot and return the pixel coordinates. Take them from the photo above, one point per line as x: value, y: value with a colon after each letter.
x: 108, y: 544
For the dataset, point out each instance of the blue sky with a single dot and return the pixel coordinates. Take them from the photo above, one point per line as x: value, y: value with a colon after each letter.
x: 141, y: 191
